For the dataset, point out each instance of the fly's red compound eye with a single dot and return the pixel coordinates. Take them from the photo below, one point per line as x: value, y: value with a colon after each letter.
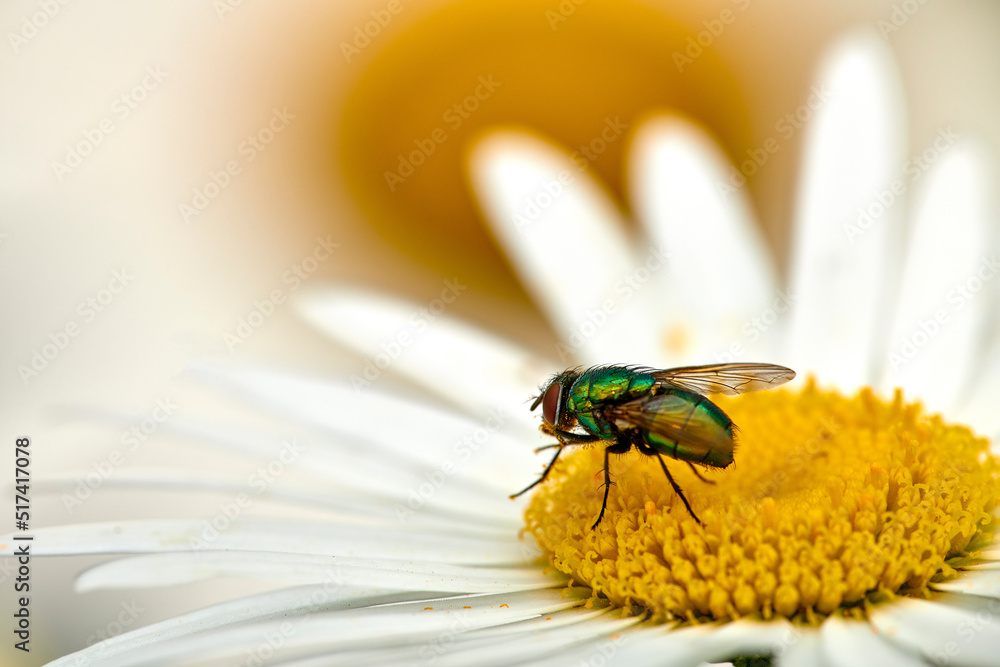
x: 550, y: 403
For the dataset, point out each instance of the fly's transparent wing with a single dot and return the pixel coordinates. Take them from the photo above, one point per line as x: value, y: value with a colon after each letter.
x: 680, y: 427
x: 728, y: 379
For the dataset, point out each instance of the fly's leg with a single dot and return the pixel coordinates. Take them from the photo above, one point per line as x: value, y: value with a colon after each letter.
x: 698, y: 475
x: 566, y: 439
x: 644, y: 448
x: 607, y: 488
x: 544, y: 474
x: 622, y: 445
x: 677, y: 489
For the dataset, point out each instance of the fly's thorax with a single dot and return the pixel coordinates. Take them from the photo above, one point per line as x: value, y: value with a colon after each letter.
x: 608, y: 384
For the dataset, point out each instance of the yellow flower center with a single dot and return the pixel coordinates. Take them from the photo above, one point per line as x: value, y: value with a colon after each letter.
x: 830, y: 500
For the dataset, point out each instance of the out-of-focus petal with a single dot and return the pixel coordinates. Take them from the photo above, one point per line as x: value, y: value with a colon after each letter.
x: 803, y: 649
x: 852, y: 643
x: 979, y: 410
x: 550, y: 637
x: 402, y: 424
x: 689, y: 646
x: 937, y: 336
x: 845, y: 237
x: 339, y: 631
x: 290, y: 536
x: 983, y: 582
x: 472, y: 368
x: 951, y: 629
x: 719, y: 273
x: 169, y: 569
x: 567, y: 242
x: 277, y: 604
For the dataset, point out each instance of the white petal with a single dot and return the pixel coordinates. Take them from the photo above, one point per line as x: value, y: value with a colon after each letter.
x: 954, y: 630
x: 171, y: 569
x: 411, y: 623
x: 984, y: 582
x: 470, y: 367
x: 692, y: 645
x: 853, y: 154
x: 313, y: 494
x: 550, y: 645
x: 438, y: 469
x: 570, y: 251
x: 979, y: 407
x: 985, y: 563
x: 665, y: 646
x: 937, y: 335
x: 392, y: 459
x: 720, y: 273
x: 354, y: 503
x: 277, y: 604
x: 979, y: 411
x: 803, y: 649
x: 990, y: 554
x: 403, y: 426
x: 253, y: 534
x: 589, y: 621
x: 521, y: 643
x: 854, y: 643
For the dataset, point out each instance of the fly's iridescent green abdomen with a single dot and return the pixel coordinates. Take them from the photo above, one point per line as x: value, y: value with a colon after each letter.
x: 659, y: 412
x: 700, y: 416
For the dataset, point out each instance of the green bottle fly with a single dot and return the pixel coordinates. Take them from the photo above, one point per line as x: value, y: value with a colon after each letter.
x: 659, y: 412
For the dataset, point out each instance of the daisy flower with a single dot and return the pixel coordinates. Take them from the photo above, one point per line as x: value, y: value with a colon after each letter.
x: 854, y: 528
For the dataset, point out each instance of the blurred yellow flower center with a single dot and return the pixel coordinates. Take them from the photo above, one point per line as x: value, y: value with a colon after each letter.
x: 830, y: 500
x: 584, y: 74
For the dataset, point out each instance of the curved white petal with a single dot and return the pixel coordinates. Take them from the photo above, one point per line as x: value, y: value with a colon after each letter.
x: 476, y: 459
x: 803, y: 649
x: 255, y: 608
x: 954, y: 630
x: 285, y: 535
x: 937, y: 337
x: 171, y: 569
x: 844, y: 236
x: 472, y: 368
x: 977, y: 407
x: 980, y: 410
x: 327, y: 632
x: 402, y: 426
x: 983, y: 582
x: 567, y: 243
x: 989, y: 555
x: 984, y: 563
x: 665, y: 645
x: 719, y: 274
x: 704, y: 643
x: 854, y: 643
x: 439, y: 463
x: 431, y: 510
x: 521, y: 643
